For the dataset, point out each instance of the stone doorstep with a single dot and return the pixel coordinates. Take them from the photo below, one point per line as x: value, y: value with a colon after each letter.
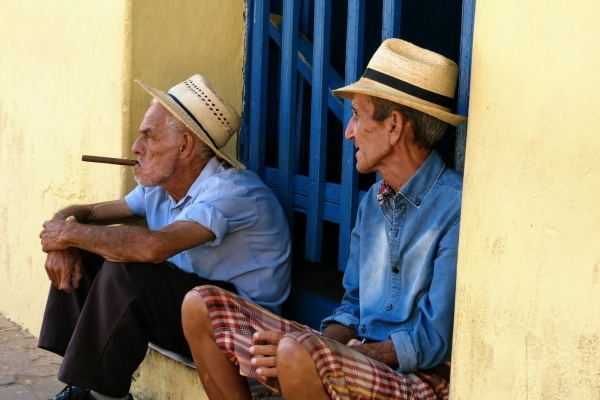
x: 167, y: 375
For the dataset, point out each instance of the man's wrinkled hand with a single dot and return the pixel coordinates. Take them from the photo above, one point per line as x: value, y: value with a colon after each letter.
x: 64, y: 269
x: 264, y: 349
x: 53, y: 234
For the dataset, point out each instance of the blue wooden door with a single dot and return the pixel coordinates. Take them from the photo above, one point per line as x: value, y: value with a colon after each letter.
x: 298, y: 51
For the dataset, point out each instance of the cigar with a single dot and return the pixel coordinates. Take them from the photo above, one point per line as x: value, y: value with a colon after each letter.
x: 109, y: 160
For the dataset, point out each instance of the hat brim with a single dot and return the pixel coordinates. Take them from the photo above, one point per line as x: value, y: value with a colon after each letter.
x: 376, y: 89
x: 178, y: 112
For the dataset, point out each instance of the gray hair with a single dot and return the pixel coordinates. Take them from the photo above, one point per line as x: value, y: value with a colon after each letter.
x: 428, y: 130
x: 176, y: 127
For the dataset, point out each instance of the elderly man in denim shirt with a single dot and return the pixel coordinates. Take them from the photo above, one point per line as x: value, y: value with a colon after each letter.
x: 391, y: 336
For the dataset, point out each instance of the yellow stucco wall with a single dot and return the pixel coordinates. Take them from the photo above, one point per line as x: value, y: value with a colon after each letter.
x: 171, y: 41
x: 61, y: 89
x: 527, y: 319
x: 66, y: 89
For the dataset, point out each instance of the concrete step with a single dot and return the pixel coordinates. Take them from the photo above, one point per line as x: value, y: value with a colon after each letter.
x: 167, y: 375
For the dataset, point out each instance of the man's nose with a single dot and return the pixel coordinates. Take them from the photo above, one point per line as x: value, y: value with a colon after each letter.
x: 349, y: 134
x: 137, y: 147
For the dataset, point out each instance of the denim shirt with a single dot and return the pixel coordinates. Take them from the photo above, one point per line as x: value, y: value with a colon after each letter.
x: 252, y: 244
x: 401, y: 274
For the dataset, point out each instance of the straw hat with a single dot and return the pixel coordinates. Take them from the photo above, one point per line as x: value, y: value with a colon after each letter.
x: 412, y: 76
x: 197, y: 104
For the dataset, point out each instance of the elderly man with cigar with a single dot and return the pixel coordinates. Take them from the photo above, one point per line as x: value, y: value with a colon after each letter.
x: 391, y: 337
x: 114, y: 288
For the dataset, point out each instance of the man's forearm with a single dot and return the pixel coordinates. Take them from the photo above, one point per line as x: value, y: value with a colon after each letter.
x: 381, y: 351
x: 338, y: 332
x: 81, y: 212
x: 106, y: 213
x: 63, y: 264
x: 125, y: 243
x: 115, y: 243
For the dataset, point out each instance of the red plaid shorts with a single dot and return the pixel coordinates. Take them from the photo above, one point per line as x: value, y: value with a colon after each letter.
x: 345, y: 373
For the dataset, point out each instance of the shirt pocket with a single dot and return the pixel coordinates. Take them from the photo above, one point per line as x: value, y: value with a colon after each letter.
x: 206, y: 262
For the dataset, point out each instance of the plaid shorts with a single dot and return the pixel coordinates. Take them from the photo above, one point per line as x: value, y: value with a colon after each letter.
x: 345, y: 373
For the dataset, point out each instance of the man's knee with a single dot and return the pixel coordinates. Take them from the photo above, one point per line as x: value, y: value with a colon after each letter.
x: 119, y: 273
x: 114, y: 276
x: 291, y: 354
x: 210, y: 292
x: 194, y: 314
x: 193, y: 305
x: 114, y: 270
x: 296, y: 368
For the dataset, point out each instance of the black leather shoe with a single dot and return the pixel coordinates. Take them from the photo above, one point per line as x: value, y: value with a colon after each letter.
x: 71, y: 392
x: 74, y: 393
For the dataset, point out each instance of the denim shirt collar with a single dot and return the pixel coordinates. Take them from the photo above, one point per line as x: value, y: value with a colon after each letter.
x: 419, y: 185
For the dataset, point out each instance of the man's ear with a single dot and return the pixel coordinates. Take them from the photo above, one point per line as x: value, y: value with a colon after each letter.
x: 396, y: 125
x: 186, y: 144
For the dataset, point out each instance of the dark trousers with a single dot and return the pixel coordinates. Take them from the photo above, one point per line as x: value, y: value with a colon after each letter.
x: 103, y: 328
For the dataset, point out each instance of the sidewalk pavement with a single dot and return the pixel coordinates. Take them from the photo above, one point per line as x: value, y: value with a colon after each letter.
x: 26, y: 372
x: 29, y: 373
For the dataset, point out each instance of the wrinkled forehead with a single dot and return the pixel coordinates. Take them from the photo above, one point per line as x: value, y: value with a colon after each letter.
x: 155, y: 117
x: 363, y: 103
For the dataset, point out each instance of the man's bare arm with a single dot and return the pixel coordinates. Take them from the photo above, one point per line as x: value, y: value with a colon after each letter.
x: 124, y: 243
x: 340, y: 333
x: 381, y: 351
x: 64, y: 266
x: 106, y: 213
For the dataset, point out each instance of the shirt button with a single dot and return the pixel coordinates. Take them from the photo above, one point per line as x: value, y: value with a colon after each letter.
x: 176, y: 209
x: 389, y: 307
x: 418, y: 202
x: 363, y: 329
x: 395, y: 270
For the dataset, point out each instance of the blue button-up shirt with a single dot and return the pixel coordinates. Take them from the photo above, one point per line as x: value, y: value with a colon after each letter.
x: 401, y: 275
x: 252, y: 243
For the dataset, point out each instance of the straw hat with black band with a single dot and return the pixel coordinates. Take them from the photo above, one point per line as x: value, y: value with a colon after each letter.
x: 409, y: 75
x: 197, y: 104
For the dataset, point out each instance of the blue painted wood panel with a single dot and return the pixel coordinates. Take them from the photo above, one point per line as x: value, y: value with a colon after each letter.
x: 318, y: 131
x: 392, y: 10
x: 302, y: 36
x: 287, y: 104
x: 333, y: 194
x: 464, y: 81
x: 308, y: 308
x: 349, y: 186
x: 258, y: 95
x: 305, y: 61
